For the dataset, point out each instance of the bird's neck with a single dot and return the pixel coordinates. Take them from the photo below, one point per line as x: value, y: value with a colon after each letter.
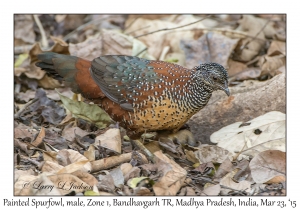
x: 199, y: 95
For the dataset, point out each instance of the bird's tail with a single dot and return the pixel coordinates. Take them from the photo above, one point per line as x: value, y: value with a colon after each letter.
x: 74, y: 71
x: 57, y: 66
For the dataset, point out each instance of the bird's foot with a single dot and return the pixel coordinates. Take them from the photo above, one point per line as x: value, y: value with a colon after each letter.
x: 181, y: 136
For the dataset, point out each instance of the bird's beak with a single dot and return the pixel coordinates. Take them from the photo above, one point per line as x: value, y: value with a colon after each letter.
x: 226, y: 90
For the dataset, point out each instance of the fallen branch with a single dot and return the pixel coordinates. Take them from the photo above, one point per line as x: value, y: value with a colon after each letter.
x: 110, y: 162
x: 44, y: 41
x: 167, y: 29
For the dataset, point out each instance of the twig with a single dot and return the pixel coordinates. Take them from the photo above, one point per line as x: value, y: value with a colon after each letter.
x: 208, y: 47
x: 130, y: 24
x: 220, y: 30
x: 43, y: 34
x: 69, y: 35
x: 141, y: 52
x: 139, y: 145
x: 19, y: 113
x: 242, y: 47
x: 252, y: 61
x: 167, y: 29
x: 137, y: 29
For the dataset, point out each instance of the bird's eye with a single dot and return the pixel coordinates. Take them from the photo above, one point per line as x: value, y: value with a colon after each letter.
x: 215, y: 78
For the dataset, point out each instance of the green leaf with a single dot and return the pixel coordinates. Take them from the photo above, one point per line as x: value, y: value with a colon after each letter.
x: 90, y: 193
x: 89, y: 112
x: 134, y: 181
x: 21, y: 59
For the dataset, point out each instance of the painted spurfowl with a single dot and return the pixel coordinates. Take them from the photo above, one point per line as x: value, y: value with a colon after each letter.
x: 142, y: 95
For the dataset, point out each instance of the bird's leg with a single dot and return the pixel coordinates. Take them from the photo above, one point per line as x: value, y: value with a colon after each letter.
x: 75, y: 97
x: 182, y: 136
x: 135, y: 140
x: 138, y: 144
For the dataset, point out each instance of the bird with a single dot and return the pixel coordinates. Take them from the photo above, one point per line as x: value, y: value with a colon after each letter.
x: 142, y: 95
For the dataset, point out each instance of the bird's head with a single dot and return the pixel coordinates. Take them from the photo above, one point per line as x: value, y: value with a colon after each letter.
x: 214, y: 75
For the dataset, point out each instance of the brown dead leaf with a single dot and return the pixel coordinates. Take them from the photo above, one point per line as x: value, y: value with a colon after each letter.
x: 277, y: 48
x: 269, y: 64
x: 218, y: 49
x: 211, y: 153
x: 268, y: 165
x: 51, y: 167
x: 142, y: 191
x: 68, y: 119
x: 225, y: 167
x: 132, y: 17
x: 229, y: 182
x: 89, y: 49
x: 69, y: 133
x: 59, y: 47
x: 249, y: 47
x: 49, y: 82
x: 153, y: 146
x: 248, y: 73
x: 73, y: 161
x: 168, y: 145
x: 235, y: 67
x: 205, y: 168
x: 25, y: 96
x: 86, y: 177
x: 172, y: 178
x: 164, y: 38
x: 50, y: 156
x: 49, y: 110
x: 106, y: 183
x: 111, y: 139
x: 190, y: 155
x: 244, y: 171
x: 23, y: 28
x: 83, y: 165
x: 187, y: 191
x: 54, y: 139
x: 90, y: 153
x: 52, y: 94
x: 67, y: 183
x: 36, y: 185
x: 22, y: 131
x: 23, y: 146
x: 116, y: 43
x: 154, y: 42
x: 73, y: 21
x: 281, y: 69
x: 107, y: 42
x: 211, y: 190
x: 30, y: 70
x: 34, y: 72
x: 125, y: 168
x: 39, y: 139
x: 19, y: 173
x: 132, y: 173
